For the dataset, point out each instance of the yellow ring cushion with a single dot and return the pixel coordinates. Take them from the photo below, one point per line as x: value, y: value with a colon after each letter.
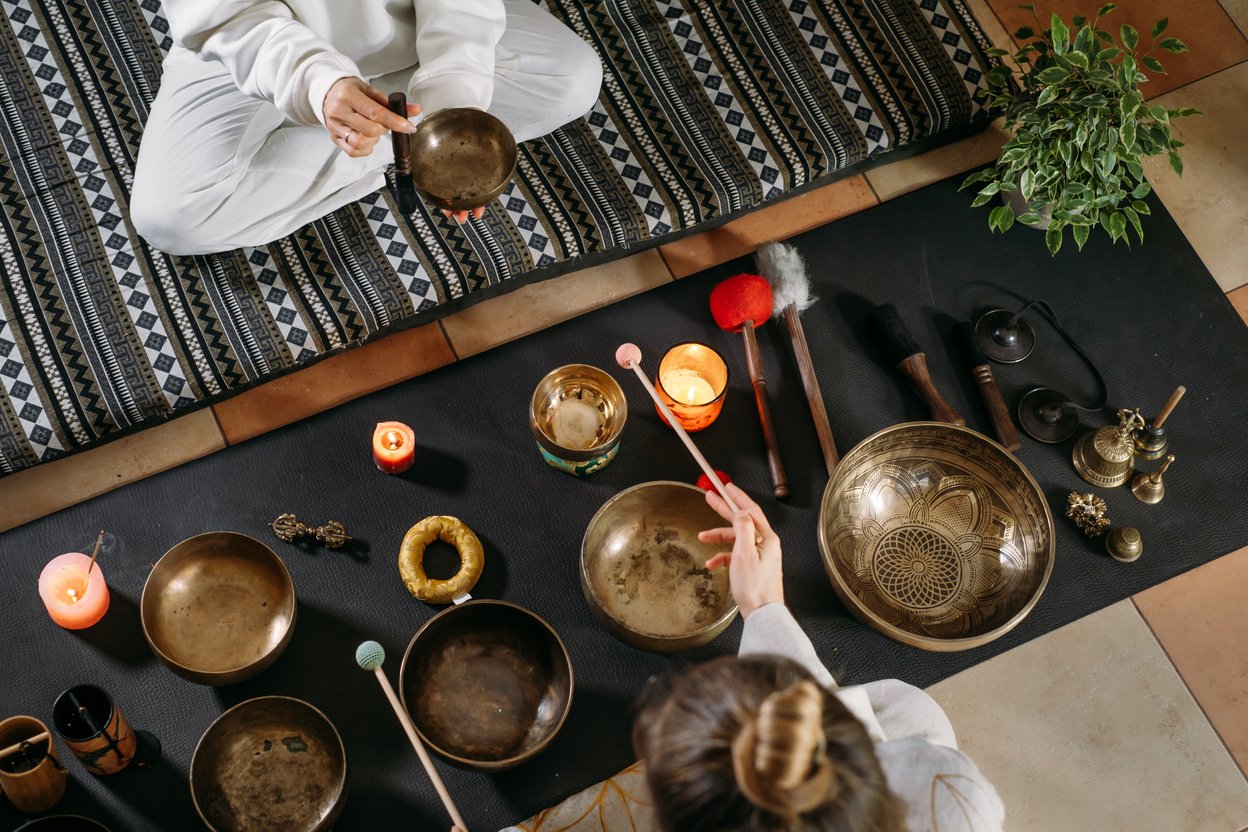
x: 412, y: 555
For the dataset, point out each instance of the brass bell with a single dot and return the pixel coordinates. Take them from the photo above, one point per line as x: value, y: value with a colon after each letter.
x: 1148, y: 488
x: 1125, y: 544
x: 1107, y: 457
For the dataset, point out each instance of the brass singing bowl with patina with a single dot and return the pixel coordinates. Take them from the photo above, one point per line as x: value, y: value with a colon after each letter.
x: 488, y: 684
x: 462, y: 158
x: 218, y: 608
x: 936, y: 536
x: 269, y: 763
x: 643, y: 569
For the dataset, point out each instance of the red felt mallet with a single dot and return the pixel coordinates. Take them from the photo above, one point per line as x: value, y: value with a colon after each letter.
x: 738, y: 305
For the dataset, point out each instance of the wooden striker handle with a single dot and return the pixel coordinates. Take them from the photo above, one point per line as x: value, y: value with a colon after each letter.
x: 915, y: 368
x: 1169, y: 406
x: 1002, y: 423
x: 402, y: 147
x: 806, y: 367
x: 754, y: 361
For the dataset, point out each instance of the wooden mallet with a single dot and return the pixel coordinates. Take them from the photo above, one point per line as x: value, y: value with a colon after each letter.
x: 369, y: 656
x: 404, y: 187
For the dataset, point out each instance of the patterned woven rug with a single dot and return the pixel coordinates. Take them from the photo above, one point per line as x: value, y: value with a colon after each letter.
x: 709, y: 108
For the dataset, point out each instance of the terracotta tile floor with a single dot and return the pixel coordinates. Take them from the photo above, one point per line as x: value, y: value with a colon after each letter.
x: 1134, y: 717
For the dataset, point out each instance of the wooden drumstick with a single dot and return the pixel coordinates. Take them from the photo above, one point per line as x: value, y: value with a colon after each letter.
x: 989, y: 391
x: 404, y: 187
x: 891, y: 333
x: 369, y: 656
x: 1161, y: 417
x: 628, y: 356
x: 18, y: 746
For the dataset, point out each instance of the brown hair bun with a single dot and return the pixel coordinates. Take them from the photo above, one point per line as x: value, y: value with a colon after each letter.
x: 780, y: 756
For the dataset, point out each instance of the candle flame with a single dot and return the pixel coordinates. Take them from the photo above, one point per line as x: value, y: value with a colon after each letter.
x: 692, y: 395
x: 394, y: 440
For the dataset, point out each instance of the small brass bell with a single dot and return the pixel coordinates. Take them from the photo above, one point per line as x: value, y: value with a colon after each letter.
x: 1125, y: 544
x: 1148, y: 488
x: 1107, y: 457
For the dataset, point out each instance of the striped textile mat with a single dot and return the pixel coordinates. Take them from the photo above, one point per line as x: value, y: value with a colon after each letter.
x: 709, y: 108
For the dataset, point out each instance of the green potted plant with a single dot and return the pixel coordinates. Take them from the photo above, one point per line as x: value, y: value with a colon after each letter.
x: 1080, y: 129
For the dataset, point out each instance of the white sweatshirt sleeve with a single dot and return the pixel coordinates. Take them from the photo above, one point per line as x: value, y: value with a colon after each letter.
x: 455, y: 40
x: 268, y: 54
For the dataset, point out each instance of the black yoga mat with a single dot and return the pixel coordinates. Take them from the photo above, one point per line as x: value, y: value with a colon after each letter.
x: 1151, y: 316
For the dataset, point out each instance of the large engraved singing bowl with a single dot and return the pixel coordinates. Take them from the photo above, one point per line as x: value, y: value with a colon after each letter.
x: 269, y: 763
x: 218, y: 608
x: 643, y: 569
x: 462, y: 158
x: 936, y: 536
x: 488, y: 684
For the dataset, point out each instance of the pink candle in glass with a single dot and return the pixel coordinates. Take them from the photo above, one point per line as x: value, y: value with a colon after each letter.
x: 74, y: 599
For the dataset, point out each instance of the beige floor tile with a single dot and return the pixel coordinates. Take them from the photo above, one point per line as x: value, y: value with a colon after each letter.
x: 908, y: 175
x: 1090, y: 728
x: 1210, y: 200
x: 778, y: 221
x: 52, y: 486
x: 1201, y: 620
x: 340, y: 378
x: 1238, y: 10
x: 1239, y: 298
x: 539, y: 305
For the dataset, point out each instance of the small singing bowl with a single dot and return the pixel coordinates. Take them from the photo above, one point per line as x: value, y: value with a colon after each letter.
x: 488, y: 684
x: 643, y: 569
x: 218, y: 608
x: 936, y: 536
x: 577, y: 415
x: 269, y: 763
x: 462, y: 158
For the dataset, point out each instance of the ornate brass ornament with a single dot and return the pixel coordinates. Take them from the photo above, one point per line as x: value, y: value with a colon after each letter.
x: 1088, y: 512
x: 1148, y: 488
x: 1106, y: 458
x: 1124, y: 544
x: 936, y: 536
x: 287, y: 527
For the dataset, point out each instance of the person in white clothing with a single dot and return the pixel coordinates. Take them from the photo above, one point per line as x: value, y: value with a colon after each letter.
x: 272, y: 114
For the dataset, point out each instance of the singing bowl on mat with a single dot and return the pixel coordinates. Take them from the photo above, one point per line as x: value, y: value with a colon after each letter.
x: 462, y: 158
x: 643, y: 569
x: 218, y: 608
x: 268, y: 763
x: 488, y: 684
x: 936, y: 536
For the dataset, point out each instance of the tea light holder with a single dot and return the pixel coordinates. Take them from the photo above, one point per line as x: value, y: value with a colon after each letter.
x: 577, y: 415
x: 692, y: 380
x: 88, y: 721
x: 394, y: 447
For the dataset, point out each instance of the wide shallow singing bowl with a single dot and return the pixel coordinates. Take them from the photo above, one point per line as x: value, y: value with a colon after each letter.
x: 488, y: 684
x: 936, y: 536
x: 462, y: 158
x: 269, y: 763
x: 218, y: 608
x: 643, y: 568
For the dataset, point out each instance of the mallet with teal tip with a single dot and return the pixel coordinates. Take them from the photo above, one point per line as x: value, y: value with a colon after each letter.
x: 370, y: 655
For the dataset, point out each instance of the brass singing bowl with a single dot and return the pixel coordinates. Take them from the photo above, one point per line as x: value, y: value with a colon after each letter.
x: 462, y: 158
x: 588, y: 384
x: 643, y: 569
x: 488, y: 684
x: 936, y: 536
x: 269, y: 763
x: 218, y: 608
x: 63, y: 823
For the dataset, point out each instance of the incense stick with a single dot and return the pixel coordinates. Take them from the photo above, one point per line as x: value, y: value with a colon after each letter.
x: 96, y: 552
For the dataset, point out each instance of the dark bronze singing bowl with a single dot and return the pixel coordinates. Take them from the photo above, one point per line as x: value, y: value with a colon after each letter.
x: 462, y: 158
x: 643, y: 572
x: 936, y: 536
x: 269, y: 763
x: 488, y: 684
x: 218, y: 608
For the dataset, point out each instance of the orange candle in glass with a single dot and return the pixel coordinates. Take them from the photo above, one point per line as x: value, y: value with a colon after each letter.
x: 74, y: 599
x: 692, y: 380
x: 394, y: 447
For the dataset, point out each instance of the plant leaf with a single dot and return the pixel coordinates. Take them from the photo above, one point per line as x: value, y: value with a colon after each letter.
x: 1077, y: 59
x: 1081, y: 234
x: 996, y: 219
x: 1141, y: 190
x: 1117, y: 225
x: 1030, y: 218
x: 1160, y: 26
x: 1141, y: 207
x: 1052, y: 75
x: 1134, y: 218
x: 1107, y: 54
x: 1027, y: 184
x: 1176, y: 162
x: 1173, y: 45
x: 1024, y: 33
x: 1106, y: 9
x: 1154, y: 64
x: 981, y: 199
x: 1130, y: 37
x: 1059, y: 34
x: 1048, y: 95
x: 977, y: 176
x: 1053, y: 237
x: 1031, y: 7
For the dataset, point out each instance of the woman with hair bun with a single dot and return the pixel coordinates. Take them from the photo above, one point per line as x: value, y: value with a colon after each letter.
x: 767, y: 741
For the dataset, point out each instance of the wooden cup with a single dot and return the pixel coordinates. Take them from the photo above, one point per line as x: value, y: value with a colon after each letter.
x: 88, y: 720
x: 33, y: 778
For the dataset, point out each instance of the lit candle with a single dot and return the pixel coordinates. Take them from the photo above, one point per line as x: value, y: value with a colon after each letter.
x: 692, y: 380
x: 394, y: 447
x: 74, y: 599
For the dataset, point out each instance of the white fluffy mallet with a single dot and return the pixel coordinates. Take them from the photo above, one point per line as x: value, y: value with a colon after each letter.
x: 628, y: 356
x: 369, y: 656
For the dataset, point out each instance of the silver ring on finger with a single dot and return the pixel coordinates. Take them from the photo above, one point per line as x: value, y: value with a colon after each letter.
x: 346, y: 137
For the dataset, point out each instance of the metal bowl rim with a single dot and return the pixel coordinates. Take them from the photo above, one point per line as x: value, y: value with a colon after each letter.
x: 597, y: 450
x: 722, y: 621
x: 342, y: 750
x: 33, y: 821
x: 941, y: 645
x: 508, y: 761
x: 215, y: 674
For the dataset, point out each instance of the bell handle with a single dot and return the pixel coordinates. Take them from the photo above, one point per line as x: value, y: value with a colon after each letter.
x: 1169, y: 406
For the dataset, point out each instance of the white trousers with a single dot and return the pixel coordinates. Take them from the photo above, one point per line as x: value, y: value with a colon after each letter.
x: 218, y: 169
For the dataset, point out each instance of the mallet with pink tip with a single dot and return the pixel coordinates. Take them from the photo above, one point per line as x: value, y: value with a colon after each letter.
x: 628, y: 356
